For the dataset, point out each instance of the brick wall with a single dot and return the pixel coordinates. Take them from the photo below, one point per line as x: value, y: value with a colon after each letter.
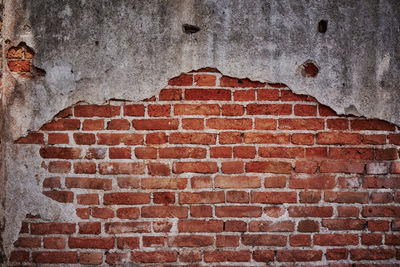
x: 216, y: 170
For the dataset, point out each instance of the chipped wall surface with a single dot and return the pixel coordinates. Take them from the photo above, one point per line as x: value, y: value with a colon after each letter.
x: 94, y: 51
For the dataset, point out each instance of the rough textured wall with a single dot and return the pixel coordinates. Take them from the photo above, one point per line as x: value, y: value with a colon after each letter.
x: 216, y: 170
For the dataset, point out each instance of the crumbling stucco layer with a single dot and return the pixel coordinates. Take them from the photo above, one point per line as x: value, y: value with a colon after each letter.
x: 96, y: 50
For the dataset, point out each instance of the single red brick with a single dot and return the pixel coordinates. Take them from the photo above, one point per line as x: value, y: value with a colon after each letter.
x: 275, y: 182
x: 164, y: 183
x: 159, y: 110
x: 182, y: 152
x: 88, y: 199
x: 93, y: 125
x: 193, y: 138
x: 308, y: 226
x: 102, y: 213
x: 232, y: 110
x: 190, y: 241
x: 55, y: 257
x: 238, y: 211
x: 300, y: 240
x: 394, y: 139
x: 91, y: 242
x: 346, y: 197
x: 201, y: 197
x: 163, y: 198
x: 93, y: 258
x: 118, y: 124
x: 195, y: 167
x: 164, y: 212
x: 59, y: 166
x: 263, y: 255
x: 244, y: 95
x: 336, y: 254
x: 85, y: 167
x: 60, y: 152
x: 96, y: 111
x: 264, y: 240
x: 134, y: 110
x: 237, y: 182
x: 193, y: 226
x: 156, y: 138
x: 374, y: 139
x: 193, y: 124
x: 128, y: 182
x: 281, y: 152
x: 130, y: 242
x: 227, y: 256
x: 62, y: 125
x: 57, y: 138
x: 231, y: 167
x: 54, y: 242
x: 158, y: 169
x: 301, y: 124
x: 266, y: 138
x: 207, y: 94
x: 316, y: 152
x: 386, y: 154
x: 298, y: 211
x: 170, y: 95
x: 235, y: 226
x: 227, y: 81
x: 269, y: 109
x: 299, y: 255
x: 337, y: 124
x: 182, y: 80
x: 337, y: 138
x: 19, y: 65
x: 83, y: 213
x: 84, y: 138
x: 90, y: 228
x: 342, y: 167
x: 336, y: 239
x: 146, y: 153
x: 268, y: 166
x: 310, y: 167
x: 127, y: 227
x: 244, y: 152
x: 271, y: 226
x: 344, y: 224
x: 378, y: 225
x: 201, y: 182
x: 52, y: 182
x: 36, y: 138
x: 305, y: 110
x: 52, y: 228
x: 95, y: 153
x: 197, y: 109
x: 28, y: 242
x: 88, y: 183
x: 120, y: 153
x: 205, y: 80
x: 126, y: 198
x: 351, y: 153
x: 237, y: 197
x: 380, y: 182
x: 229, y: 124
x: 357, y: 254
x: 362, y: 124
x: 382, y: 197
x: 153, y: 241
x: 155, y: 124
x: 310, y: 197
x: 273, y: 197
x: 371, y: 239
x: 268, y: 94
x: 221, y: 152
x: 190, y: 256
x: 60, y: 196
x: 200, y: 211
x: 345, y: 211
x: 116, y: 258
x: 121, y: 168
x: 265, y: 124
x: 230, y: 137
x: 128, y: 213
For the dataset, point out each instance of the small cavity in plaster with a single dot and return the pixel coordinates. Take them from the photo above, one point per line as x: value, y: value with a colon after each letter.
x: 351, y: 110
x: 322, y: 26
x: 309, y: 69
x: 190, y: 29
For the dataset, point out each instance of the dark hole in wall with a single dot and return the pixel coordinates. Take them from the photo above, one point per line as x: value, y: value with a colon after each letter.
x: 322, y: 26
x: 190, y: 29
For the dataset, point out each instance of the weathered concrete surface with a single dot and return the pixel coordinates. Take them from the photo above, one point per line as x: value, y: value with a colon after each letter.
x: 97, y: 50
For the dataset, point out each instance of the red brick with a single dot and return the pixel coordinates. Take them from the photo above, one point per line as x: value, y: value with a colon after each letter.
x: 193, y: 138
x: 128, y: 182
x: 90, y: 228
x: 55, y: 257
x: 273, y: 197
x: 164, y: 198
x: 271, y: 226
x: 60, y: 152
x: 52, y: 182
x: 351, y: 153
x: 28, y: 242
x: 201, y: 197
x: 326, y: 111
x: 380, y: 182
x: 316, y: 152
x: 128, y: 242
x: 121, y: 168
x: 119, y: 153
x: 102, y: 213
x: 275, y: 182
x: 196, y: 109
x: 345, y: 211
x: 93, y: 125
x: 299, y: 255
x: 155, y: 124
x: 229, y: 124
x: 182, y: 80
x: 207, y: 94
x: 159, y: 110
x: 182, y: 152
x: 227, y: 256
x: 371, y: 239
x: 237, y: 197
x: 118, y: 124
x: 300, y: 240
x: 264, y: 240
x: 310, y: 167
x: 269, y: 166
x: 164, y: 212
x: 37, y: 138
x: 344, y: 224
x: 382, y: 197
x: 91, y: 258
x: 268, y: 94
x: 361, y: 124
x: 193, y: 124
x: 190, y: 256
x: 237, y: 182
x: 244, y: 152
x: 19, y: 65
x: 301, y: 124
x: 127, y: 227
x: 232, y: 110
x: 84, y: 138
x: 336, y: 254
x: 395, y: 167
x: 201, y: 182
x: 158, y: 169
x: 91, y: 242
x: 230, y: 138
x: 52, y: 228
x: 194, y: 226
x: 170, y: 95
x: 335, y: 138
x: 126, y: 198
x: 265, y: 124
x: 305, y: 110
x: 83, y: 213
x: 269, y: 109
x: 232, y: 167
x: 156, y: 138
x: 238, y: 211
x: 60, y: 196
x: 59, y: 166
x: 281, y: 152
x: 96, y: 111
x: 371, y: 254
x: 337, y: 124
x: 310, y: 197
x: 244, y: 95
x: 190, y: 241
x: 374, y: 139
x: 200, y: 211
x: 349, y: 182
x: 263, y: 255
x: 336, y: 239
x: 235, y: 226
x: 54, y: 242
x: 95, y: 153
x: 342, y: 167
x: 205, y: 80
x: 346, y: 197
x: 85, y: 167
x: 298, y: 211
x: 15, y: 52
x: 88, y: 199
x: 394, y: 139
x: 153, y: 241
x: 378, y: 225
x: 196, y: 167
x: 308, y: 226
x: 221, y: 152
x: 302, y: 139
x: 134, y: 110
x: 274, y: 212
x: 88, y: 183
x: 392, y: 239
x: 146, y: 152
x: 116, y: 258
x: 227, y: 81
x: 128, y: 213
x: 386, y: 154
x: 287, y: 95
x: 266, y: 138
x: 164, y: 183
x: 227, y: 241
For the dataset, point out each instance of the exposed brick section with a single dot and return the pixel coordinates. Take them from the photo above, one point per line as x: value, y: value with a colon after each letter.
x: 214, y: 171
